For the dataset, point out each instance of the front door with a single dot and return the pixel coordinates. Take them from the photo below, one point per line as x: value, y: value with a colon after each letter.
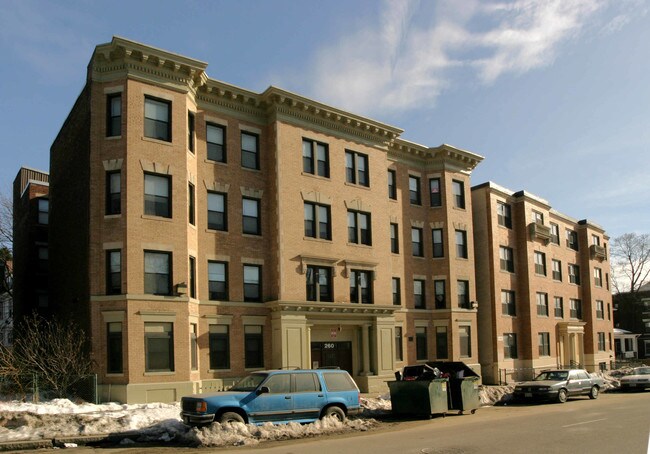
x: 332, y: 354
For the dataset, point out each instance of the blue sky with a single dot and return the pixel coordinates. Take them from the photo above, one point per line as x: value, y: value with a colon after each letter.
x: 554, y: 94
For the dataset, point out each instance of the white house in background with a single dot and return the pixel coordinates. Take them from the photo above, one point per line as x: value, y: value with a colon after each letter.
x: 625, y: 344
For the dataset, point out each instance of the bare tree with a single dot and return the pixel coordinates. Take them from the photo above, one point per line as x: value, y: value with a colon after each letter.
x: 630, y: 262
x: 6, y: 221
x: 57, y: 352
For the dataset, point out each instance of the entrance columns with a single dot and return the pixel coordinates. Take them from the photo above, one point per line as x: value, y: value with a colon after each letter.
x: 365, y: 349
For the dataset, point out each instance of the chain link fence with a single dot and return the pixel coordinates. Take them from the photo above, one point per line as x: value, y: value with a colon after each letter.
x: 31, y: 388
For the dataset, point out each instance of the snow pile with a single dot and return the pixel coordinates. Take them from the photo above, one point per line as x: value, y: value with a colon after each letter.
x: 491, y: 395
x: 376, y: 406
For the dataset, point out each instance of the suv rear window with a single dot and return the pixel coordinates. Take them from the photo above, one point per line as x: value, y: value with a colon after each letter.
x: 339, y: 382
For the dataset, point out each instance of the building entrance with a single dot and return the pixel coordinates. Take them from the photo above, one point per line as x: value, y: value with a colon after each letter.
x: 332, y: 354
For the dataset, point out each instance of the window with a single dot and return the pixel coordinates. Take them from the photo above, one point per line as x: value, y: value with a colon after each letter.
x: 157, y: 273
x: 540, y: 263
x: 575, y: 309
x: 458, y: 191
x: 397, y: 293
x: 359, y: 231
x: 217, y: 213
x: 601, y: 342
x: 356, y: 168
x: 114, y: 348
x: 253, y: 347
x: 399, y: 345
x: 317, y: 221
x: 43, y: 255
x: 218, y: 281
x: 461, y: 244
x: 607, y: 281
x: 559, y: 306
x: 113, y: 272
x: 114, y: 115
x: 394, y: 238
x: 542, y: 304
x: 251, y: 223
x: 319, y: 284
x: 440, y: 294
x: 598, y: 277
x: 252, y: 283
x: 510, y: 345
x: 572, y: 239
x: 504, y: 215
x: 508, y: 303
x: 544, y: 344
x: 609, y: 312
x: 414, y: 190
x: 219, y: 346
x: 419, y: 301
x: 557, y: 270
x: 595, y: 240
x: 436, y: 239
x: 190, y: 131
x: 315, y: 158
x: 43, y: 211
x: 434, y: 192
x: 392, y: 184
x: 421, y: 352
x: 600, y: 310
x: 441, y: 342
x: 159, y: 347
x: 416, y: 241
x: 538, y: 217
x: 194, y: 347
x: 463, y: 294
x: 506, y: 259
x: 191, y: 204
x: 157, y: 201
x: 250, y: 156
x: 574, y: 274
x: 157, y: 119
x: 465, y: 338
x: 192, y: 270
x: 306, y: 383
x: 113, y: 193
x: 215, y: 137
x: 555, y: 233
x: 360, y: 286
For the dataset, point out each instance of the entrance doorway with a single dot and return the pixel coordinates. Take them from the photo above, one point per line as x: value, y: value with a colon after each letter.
x: 332, y: 354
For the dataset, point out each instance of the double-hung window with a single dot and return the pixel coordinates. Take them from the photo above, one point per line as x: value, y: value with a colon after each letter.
x: 508, y: 303
x: 219, y: 346
x: 436, y: 239
x: 540, y: 263
x: 555, y: 233
x: 601, y: 342
x: 465, y: 339
x: 600, y: 310
x: 542, y: 304
x: 317, y: 221
x: 416, y: 241
x: 361, y: 286
x: 253, y: 347
x: 598, y: 277
x: 572, y: 239
x: 43, y: 211
x: 434, y: 192
x: 558, y: 302
x: 157, y: 273
x: 440, y: 294
x: 190, y: 132
x: 415, y: 196
x: 315, y: 158
x: 113, y: 272
x: 114, y: 115
x: 359, y: 228
x: 250, y: 155
x: 544, y: 344
x: 159, y: 347
x: 458, y: 190
x: 419, y: 297
x: 157, y: 119
x: 251, y: 223
x: 557, y: 270
x: 252, y: 283
x: 463, y: 294
x: 157, y: 200
x: 510, y: 345
x: 461, y: 244
x: 114, y: 348
x: 218, y: 281
x: 574, y: 274
x: 504, y: 215
x: 215, y: 137
x: 506, y: 259
x: 217, y: 213
x: 113, y: 192
x: 392, y: 184
x: 356, y: 168
x: 397, y: 293
x: 394, y: 238
x: 575, y: 309
x: 421, y: 347
x: 319, y: 283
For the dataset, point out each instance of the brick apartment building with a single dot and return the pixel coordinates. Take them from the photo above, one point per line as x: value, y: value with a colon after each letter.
x: 200, y: 231
x: 543, y: 286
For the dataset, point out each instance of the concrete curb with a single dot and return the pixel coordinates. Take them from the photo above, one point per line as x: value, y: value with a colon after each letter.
x: 57, y: 442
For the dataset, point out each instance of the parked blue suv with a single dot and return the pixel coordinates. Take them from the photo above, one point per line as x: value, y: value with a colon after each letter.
x: 277, y: 396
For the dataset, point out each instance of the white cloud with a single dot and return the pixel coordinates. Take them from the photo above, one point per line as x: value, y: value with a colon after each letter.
x: 417, y: 50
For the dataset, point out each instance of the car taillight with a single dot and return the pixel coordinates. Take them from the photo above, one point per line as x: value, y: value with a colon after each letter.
x: 201, y: 406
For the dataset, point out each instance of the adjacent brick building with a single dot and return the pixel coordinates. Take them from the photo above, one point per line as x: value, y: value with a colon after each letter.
x: 542, y: 286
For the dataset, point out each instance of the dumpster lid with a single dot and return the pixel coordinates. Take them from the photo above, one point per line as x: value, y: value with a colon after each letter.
x: 455, y: 369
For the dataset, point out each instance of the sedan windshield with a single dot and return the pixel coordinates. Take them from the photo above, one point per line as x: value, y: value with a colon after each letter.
x: 555, y: 375
x: 641, y: 371
x: 249, y: 383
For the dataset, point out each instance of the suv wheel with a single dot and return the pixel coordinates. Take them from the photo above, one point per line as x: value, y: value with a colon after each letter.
x: 231, y: 416
x: 334, y: 411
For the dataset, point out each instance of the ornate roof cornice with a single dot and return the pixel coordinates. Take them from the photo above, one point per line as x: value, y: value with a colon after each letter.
x: 442, y: 157
x: 122, y: 57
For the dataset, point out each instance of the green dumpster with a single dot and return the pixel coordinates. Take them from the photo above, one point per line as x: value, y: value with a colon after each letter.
x: 419, y: 397
x: 463, y: 385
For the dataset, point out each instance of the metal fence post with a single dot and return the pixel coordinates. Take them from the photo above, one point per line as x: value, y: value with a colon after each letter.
x: 35, y: 396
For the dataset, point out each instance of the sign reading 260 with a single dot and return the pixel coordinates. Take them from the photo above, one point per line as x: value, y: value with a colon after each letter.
x: 329, y: 345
